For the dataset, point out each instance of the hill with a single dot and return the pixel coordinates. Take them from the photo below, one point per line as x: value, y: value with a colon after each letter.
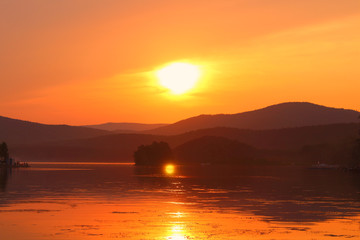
x: 15, y: 131
x: 216, y: 150
x: 281, y: 139
x: 125, y: 127
x: 284, y: 115
x: 120, y: 147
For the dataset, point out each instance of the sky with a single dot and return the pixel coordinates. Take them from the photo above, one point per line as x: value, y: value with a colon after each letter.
x: 93, y: 61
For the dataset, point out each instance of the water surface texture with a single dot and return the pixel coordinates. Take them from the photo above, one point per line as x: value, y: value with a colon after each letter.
x: 121, y: 201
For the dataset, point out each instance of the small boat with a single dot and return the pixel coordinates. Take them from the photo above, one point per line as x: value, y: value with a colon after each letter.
x: 324, y: 166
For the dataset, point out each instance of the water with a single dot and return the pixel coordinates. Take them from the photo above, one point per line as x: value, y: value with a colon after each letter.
x: 121, y: 201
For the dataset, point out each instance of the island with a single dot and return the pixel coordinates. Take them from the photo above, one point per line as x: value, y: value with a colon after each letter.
x: 6, y: 160
x: 157, y: 153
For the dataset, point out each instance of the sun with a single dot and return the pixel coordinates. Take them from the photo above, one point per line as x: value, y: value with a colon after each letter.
x: 179, y: 77
x: 169, y: 169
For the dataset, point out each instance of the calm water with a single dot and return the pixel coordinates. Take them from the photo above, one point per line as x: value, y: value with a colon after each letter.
x: 113, y: 201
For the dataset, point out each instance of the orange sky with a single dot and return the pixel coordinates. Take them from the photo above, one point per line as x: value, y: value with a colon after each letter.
x: 88, y: 61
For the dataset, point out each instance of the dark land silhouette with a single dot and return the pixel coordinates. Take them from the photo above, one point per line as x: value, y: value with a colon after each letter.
x: 25, y: 132
x: 6, y: 161
x: 4, y: 152
x: 284, y: 115
x: 279, y: 145
x: 157, y: 153
x: 217, y: 150
x: 125, y: 127
x: 330, y: 138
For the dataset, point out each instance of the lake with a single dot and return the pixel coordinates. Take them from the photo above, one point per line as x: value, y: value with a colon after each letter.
x: 121, y: 201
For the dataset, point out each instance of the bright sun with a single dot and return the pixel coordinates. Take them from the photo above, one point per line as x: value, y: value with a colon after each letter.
x: 179, y: 77
x: 169, y: 169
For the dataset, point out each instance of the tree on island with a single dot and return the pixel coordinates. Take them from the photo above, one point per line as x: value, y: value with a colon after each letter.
x: 158, y: 153
x: 4, y: 152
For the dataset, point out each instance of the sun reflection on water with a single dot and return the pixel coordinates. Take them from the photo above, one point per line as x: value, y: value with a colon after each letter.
x: 177, y: 233
x: 177, y: 237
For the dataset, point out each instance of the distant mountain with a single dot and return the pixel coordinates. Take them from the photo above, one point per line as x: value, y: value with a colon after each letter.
x: 125, y: 127
x: 18, y: 131
x: 284, y: 115
x: 120, y: 147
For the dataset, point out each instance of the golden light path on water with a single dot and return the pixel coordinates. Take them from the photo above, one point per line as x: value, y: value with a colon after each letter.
x: 84, y: 219
x: 177, y: 231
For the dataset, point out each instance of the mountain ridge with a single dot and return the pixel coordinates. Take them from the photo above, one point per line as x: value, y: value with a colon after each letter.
x: 125, y: 126
x: 278, y: 116
x: 21, y: 131
x: 283, y: 115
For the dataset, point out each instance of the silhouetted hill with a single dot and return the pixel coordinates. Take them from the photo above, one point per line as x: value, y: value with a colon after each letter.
x: 120, y: 147
x: 18, y: 131
x: 125, y: 127
x: 114, y: 148
x: 284, y: 115
x: 216, y: 150
x: 283, y: 139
